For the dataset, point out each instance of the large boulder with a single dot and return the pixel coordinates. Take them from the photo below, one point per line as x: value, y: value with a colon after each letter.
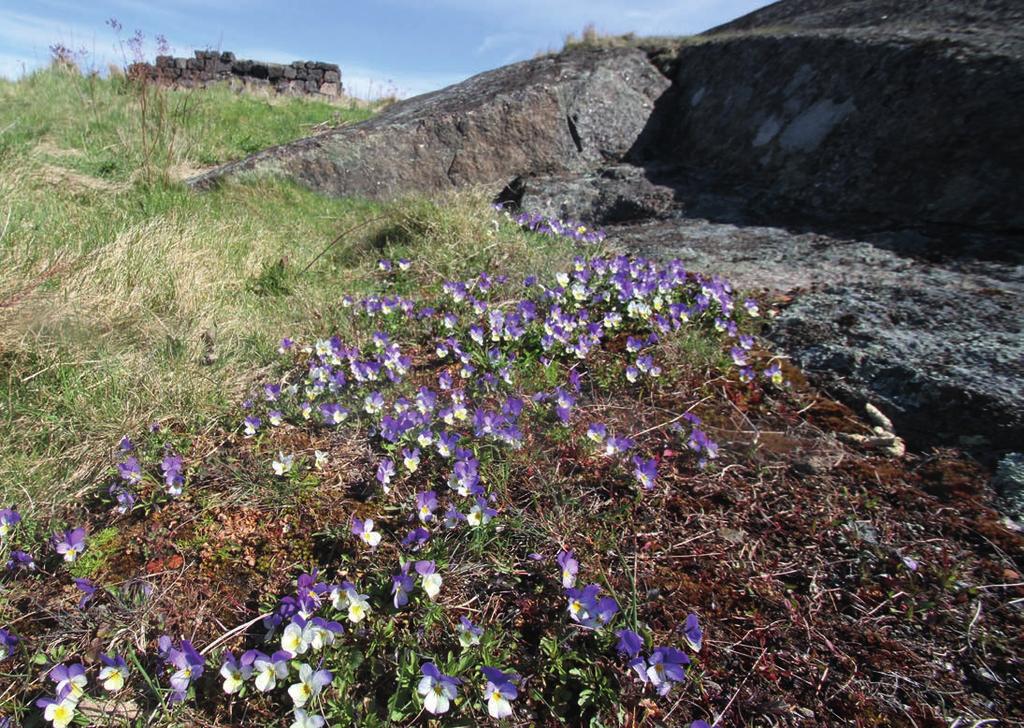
x: 564, y: 113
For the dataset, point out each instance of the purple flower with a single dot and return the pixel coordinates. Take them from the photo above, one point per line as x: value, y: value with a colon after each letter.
x: 8, y: 643
x: 597, y: 432
x: 700, y: 442
x: 364, y: 531
x: 469, y: 633
x: 113, y: 673
x: 693, y: 633
x: 21, y: 560
x: 426, y: 504
x: 124, y: 497
x: 453, y: 517
x: 401, y: 586
x: 500, y: 691
x: 465, y: 476
x: 446, y: 443
x: 251, y: 425
x: 385, y: 472
x: 630, y: 643
x: 615, y: 445
x: 285, y: 345
x: 411, y: 459
x: 416, y: 538
x: 272, y: 392
x: 774, y: 374
x: 70, y: 543
x: 437, y: 689
x: 130, y: 471
x: 563, y: 404
x: 126, y: 445
x: 429, y: 578
x: 187, y: 664
x: 646, y: 471
x: 333, y: 414
x: 235, y: 672
x: 481, y: 513
x: 173, y: 478
x: 665, y: 668
x: 586, y: 608
x: 373, y: 403
x: 70, y: 680
x: 88, y: 591
x: 9, y: 518
x: 570, y: 568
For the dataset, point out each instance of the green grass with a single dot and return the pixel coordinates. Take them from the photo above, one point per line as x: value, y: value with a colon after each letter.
x: 126, y: 297
x: 94, y: 125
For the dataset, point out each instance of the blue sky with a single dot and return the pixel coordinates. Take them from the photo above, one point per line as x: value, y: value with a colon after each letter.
x: 410, y: 45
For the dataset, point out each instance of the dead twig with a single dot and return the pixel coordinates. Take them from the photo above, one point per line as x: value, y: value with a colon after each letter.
x: 340, y: 237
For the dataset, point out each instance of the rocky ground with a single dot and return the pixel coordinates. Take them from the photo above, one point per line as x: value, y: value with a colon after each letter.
x: 926, y: 325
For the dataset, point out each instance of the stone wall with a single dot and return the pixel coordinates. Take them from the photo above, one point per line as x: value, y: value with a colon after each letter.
x: 299, y: 78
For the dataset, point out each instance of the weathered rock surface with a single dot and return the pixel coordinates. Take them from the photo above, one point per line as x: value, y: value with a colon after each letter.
x: 550, y: 115
x: 849, y: 127
x: 984, y: 24
x: 864, y: 157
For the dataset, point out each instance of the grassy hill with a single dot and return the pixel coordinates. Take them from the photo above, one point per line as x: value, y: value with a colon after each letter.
x: 117, y: 285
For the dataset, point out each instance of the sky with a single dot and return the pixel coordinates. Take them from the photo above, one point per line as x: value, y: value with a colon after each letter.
x: 382, y: 46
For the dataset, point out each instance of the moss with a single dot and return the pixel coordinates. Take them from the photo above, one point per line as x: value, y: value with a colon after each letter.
x: 100, y: 547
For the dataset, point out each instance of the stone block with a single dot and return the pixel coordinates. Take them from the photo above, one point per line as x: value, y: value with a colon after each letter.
x: 332, y: 76
x: 259, y: 70
x: 275, y: 71
x: 312, y: 86
x: 227, y: 57
x: 289, y: 72
x: 329, y: 89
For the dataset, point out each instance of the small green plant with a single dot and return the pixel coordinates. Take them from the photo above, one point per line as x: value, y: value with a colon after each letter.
x: 272, y: 280
x: 102, y: 546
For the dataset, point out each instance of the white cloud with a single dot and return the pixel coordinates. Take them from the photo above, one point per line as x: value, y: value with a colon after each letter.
x: 23, y: 31
x: 371, y: 83
x: 644, y: 17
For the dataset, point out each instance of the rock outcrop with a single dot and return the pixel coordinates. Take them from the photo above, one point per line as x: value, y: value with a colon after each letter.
x: 558, y: 114
x: 862, y: 157
x: 850, y: 127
